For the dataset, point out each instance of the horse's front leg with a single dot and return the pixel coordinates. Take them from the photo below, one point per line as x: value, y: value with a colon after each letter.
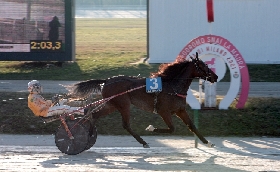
x: 186, y: 119
x: 168, y: 121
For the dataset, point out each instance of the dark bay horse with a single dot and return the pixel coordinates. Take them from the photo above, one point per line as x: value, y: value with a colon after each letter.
x: 126, y: 90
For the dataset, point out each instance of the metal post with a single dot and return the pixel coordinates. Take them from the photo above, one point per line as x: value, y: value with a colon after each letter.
x: 200, y: 91
x: 73, y: 31
x: 28, y: 16
x: 196, y: 124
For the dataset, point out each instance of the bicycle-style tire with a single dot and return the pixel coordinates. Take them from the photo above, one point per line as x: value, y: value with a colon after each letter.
x: 72, y: 146
x: 92, y: 134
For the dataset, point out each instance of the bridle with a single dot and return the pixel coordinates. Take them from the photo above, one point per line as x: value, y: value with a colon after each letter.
x: 206, y: 74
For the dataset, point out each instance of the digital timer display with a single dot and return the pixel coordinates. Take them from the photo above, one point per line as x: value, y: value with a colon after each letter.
x: 37, y: 30
x: 45, y: 46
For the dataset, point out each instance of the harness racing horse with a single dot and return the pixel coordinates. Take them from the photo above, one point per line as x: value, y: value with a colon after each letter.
x: 122, y: 91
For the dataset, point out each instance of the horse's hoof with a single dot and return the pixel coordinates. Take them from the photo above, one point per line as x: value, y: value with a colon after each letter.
x: 210, y: 145
x: 146, y: 146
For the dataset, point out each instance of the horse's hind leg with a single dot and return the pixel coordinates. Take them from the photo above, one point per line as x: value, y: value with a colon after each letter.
x: 186, y: 119
x: 107, y: 109
x: 126, y: 125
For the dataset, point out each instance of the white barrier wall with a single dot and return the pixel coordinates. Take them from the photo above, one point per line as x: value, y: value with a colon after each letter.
x: 253, y: 26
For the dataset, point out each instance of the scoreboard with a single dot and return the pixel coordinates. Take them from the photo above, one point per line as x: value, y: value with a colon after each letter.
x: 41, y: 30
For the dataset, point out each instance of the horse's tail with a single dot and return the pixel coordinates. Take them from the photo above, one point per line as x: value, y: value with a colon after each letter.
x: 85, y: 88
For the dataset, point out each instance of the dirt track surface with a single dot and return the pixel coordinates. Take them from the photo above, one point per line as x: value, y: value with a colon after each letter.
x: 123, y: 153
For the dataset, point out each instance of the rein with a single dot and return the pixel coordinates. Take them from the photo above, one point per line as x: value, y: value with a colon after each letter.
x: 102, y: 101
x: 99, y: 104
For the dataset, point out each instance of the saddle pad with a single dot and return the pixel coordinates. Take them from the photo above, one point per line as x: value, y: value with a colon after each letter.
x: 153, y: 85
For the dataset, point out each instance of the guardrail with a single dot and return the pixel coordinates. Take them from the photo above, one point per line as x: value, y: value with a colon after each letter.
x: 111, y: 7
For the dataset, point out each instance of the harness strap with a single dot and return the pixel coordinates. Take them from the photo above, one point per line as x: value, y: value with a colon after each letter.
x: 179, y: 95
x: 155, y: 102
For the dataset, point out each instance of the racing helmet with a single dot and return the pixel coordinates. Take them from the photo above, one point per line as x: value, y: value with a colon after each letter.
x: 34, y: 86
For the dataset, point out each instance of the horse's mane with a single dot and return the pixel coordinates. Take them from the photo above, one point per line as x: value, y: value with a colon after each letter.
x: 169, y: 71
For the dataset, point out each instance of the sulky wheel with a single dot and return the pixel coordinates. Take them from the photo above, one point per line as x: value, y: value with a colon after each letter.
x: 92, y: 138
x: 72, y: 146
x: 92, y: 133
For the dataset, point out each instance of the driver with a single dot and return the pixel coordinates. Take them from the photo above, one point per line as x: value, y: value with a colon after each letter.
x: 45, y: 108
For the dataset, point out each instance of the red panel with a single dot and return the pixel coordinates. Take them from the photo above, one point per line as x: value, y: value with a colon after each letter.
x: 210, y: 11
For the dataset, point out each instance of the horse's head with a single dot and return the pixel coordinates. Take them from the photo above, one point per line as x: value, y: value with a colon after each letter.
x: 202, y: 70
